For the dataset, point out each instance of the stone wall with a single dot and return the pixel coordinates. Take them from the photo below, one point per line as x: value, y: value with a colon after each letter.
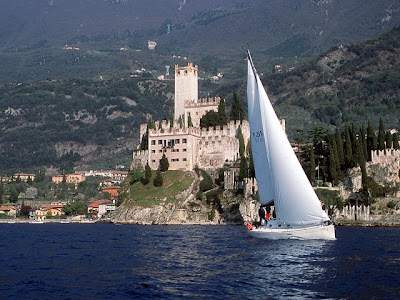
x: 139, y: 159
x: 385, y: 166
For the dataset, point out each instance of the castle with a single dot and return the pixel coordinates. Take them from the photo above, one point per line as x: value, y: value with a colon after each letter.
x: 189, y: 146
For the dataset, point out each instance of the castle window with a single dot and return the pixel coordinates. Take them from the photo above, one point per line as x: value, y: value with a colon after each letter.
x: 184, y: 159
x: 160, y: 142
x: 160, y: 151
x: 175, y: 159
x: 153, y: 151
x: 153, y: 161
x: 153, y: 142
x: 184, y: 141
x: 184, y: 150
x: 177, y: 141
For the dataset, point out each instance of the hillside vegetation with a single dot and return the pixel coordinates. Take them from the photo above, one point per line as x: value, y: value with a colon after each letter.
x: 65, y: 123
x: 68, y: 123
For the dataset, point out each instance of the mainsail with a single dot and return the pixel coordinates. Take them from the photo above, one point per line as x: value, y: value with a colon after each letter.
x: 279, y: 174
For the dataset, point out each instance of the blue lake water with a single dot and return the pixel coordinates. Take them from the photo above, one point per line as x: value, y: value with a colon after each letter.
x: 103, y: 261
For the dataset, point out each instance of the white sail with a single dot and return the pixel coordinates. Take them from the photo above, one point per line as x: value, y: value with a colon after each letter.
x: 278, y: 171
x: 260, y: 155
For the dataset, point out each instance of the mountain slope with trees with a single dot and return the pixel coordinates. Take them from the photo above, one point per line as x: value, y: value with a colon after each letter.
x: 69, y: 123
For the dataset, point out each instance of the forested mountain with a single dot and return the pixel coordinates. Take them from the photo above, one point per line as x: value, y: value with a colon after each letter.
x: 211, y: 26
x: 34, y: 32
x: 67, y: 122
x: 81, y: 105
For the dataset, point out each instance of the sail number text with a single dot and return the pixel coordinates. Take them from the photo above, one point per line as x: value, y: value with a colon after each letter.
x: 258, y: 136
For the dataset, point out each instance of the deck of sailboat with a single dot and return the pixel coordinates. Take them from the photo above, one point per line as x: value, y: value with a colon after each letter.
x: 317, y: 232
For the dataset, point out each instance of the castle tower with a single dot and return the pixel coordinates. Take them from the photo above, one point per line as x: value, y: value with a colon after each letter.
x: 186, y: 87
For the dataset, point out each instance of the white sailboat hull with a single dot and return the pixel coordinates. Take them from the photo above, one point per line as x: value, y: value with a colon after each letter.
x: 319, y: 232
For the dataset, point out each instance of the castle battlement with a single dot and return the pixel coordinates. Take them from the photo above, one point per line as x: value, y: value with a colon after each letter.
x: 384, y: 156
x: 211, y: 101
x: 140, y: 153
x: 174, y: 131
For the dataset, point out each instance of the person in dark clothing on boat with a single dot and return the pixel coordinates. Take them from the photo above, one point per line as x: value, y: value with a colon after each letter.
x: 261, y: 213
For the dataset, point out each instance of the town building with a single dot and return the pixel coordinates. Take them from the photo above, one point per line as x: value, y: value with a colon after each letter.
x: 74, y: 178
x: 112, y: 190
x: 23, y: 177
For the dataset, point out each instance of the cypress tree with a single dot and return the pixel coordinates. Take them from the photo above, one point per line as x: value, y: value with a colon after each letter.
x: 1, y: 190
x: 388, y: 140
x: 244, y: 169
x: 381, y: 135
x: 348, y: 156
x: 252, y: 171
x: 190, y: 123
x: 339, y: 144
x: 164, y: 164
x: 363, y: 142
x: 312, y: 165
x: 147, y: 174
x: 180, y: 122
x: 237, y: 109
x: 158, y: 180
x: 396, y: 140
x: 241, y: 142
x: 223, y: 120
x: 144, y: 144
x: 171, y: 118
x: 371, y: 140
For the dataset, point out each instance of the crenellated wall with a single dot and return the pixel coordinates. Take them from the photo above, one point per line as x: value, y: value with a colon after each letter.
x: 384, y: 156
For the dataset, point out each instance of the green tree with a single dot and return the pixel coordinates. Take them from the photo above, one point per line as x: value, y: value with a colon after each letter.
x: 40, y: 176
x: 371, y: 140
x: 180, y: 122
x: 29, y: 180
x: 312, y: 165
x: 237, y: 109
x: 333, y: 162
x: 388, y: 140
x: 171, y: 118
x: 158, y: 180
x: 190, y: 123
x: 144, y: 144
x: 210, y: 119
x: 241, y: 142
x: 381, y: 135
x: 348, y: 155
x: 164, y: 164
x: 339, y: 144
x: 206, y: 183
x: 75, y: 208
x: 1, y: 190
x: 147, y: 174
x: 13, y: 195
x: 252, y: 171
x: 223, y: 120
x: 396, y: 140
x: 244, y: 169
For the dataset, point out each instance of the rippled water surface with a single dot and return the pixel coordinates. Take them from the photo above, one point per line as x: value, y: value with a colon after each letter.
x: 102, y: 261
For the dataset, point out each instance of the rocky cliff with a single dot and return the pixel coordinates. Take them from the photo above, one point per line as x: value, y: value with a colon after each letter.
x: 215, y: 207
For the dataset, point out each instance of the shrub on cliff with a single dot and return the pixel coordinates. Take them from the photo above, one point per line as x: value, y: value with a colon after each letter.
x: 207, y: 182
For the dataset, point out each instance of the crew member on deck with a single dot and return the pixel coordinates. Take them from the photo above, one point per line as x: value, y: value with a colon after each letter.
x: 261, y: 213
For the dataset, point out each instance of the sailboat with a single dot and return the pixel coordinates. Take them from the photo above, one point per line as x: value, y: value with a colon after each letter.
x: 280, y: 177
